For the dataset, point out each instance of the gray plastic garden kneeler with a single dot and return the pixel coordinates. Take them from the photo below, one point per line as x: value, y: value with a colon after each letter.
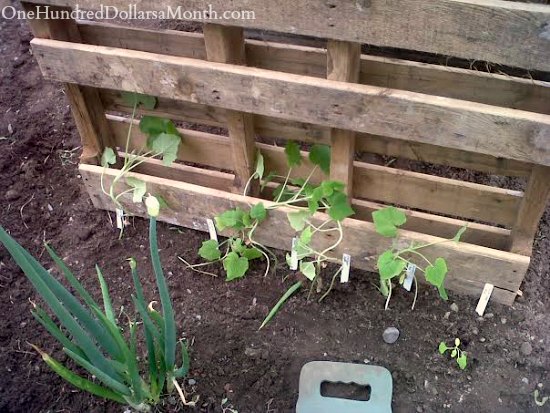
x: 315, y: 373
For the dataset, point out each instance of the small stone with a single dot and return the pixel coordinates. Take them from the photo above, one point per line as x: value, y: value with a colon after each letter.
x: 192, y: 382
x: 526, y: 348
x: 419, y: 409
x: 366, y: 361
x: 482, y: 340
x: 447, y: 314
x: 489, y: 315
x: 454, y: 307
x: 503, y: 320
x: 252, y: 352
x: 390, y: 335
x: 525, y: 380
x: 12, y: 195
x: 475, y: 331
x: 85, y: 234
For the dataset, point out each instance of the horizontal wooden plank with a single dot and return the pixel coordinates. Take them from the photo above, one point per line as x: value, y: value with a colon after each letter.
x: 188, y: 205
x: 456, y: 83
x: 285, y: 129
x: 373, y: 182
x: 518, y: 35
x: 439, y: 121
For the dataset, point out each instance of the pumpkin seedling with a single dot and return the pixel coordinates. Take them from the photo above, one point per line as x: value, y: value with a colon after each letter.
x: 456, y: 353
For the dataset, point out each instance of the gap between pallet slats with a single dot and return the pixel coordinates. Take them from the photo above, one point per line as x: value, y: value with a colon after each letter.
x: 373, y: 182
x: 189, y: 205
x: 480, y: 128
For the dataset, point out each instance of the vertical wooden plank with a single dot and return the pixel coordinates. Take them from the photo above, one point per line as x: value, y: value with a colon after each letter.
x: 226, y: 45
x: 86, y: 106
x: 531, y: 210
x: 343, y: 64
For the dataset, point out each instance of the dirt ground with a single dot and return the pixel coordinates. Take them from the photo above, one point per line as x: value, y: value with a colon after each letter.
x: 42, y: 199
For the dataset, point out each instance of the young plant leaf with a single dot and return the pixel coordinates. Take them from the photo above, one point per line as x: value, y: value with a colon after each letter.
x: 295, y: 287
x: 308, y: 269
x: 235, y: 266
x: 167, y: 145
x: 258, y: 212
x: 340, y: 207
x: 389, y: 266
x: 251, y: 254
x: 136, y: 99
x: 454, y: 352
x: 293, y: 155
x: 237, y: 245
x: 387, y: 220
x: 320, y: 156
x: 442, y: 347
x: 154, y: 126
x: 435, y: 274
x: 153, y: 206
x: 297, y: 219
x: 306, y: 235
x: 108, y: 157
x: 210, y: 250
x: 230, y: 219
x: 260, y: 165
x: 462, y: 361
x: 330, y: 187
x: 139, y: 186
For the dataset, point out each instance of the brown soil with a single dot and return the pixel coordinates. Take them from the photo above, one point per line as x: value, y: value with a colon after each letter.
x: 43, y: 199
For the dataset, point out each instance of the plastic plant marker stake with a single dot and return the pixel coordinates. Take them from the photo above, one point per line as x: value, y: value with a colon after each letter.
x: 411, y: 270
x: 119, y: 218
x: 346, y: 264
x: 315, y: 373
x: 294, y: 255
x: 212, y: 229
x: 484, y: 299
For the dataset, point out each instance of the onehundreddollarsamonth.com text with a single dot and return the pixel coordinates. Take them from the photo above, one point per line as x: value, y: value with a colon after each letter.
x: 132, y: 12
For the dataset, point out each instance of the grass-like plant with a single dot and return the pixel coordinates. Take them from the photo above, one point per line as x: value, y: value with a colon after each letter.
x: 93, y: 338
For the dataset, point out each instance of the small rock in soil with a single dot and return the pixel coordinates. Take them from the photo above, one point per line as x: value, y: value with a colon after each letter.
x: 85, y: 234
x: 192, y: 382
x: 454, y: 307
x: 526, y: 348
x: 390, y: 335
x: 489, y: 315
x: 12, y: 195
x: 482, y: 340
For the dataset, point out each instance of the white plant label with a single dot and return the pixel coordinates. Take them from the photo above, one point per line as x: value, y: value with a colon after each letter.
x: 411, y: 270
x: 212, y: 229
x: 484, y: 299
x: 294, y: 255
x: 119, y: 218
x: 346, y: 265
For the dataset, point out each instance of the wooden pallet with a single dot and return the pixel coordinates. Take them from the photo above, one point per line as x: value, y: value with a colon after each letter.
x: 486, y: 122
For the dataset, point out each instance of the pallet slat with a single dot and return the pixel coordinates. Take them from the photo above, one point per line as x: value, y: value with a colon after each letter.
x: 518, y: 36
x: 189, y: 205
x: 479, y: 128
x: 476, y: 86
x: 379, y: 183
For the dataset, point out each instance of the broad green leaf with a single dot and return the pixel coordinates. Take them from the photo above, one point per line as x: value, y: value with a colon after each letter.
x: 461, y: 231
x: 167, y: 145
x: 435, y: 274
x: 210, y: 250
x: 252, y: 254
x: 235, y: 266
x: 462, y: 361
x: 154, y: 126
x: 389, y: 266
x: 340, y: 207
x: 260, y: 166
x: 308, y: 269
x: 293, y: 155
x: 153, y: 206
x: 387, y: 220
x: 320, y: 156
x: 298, y: 219
x: 108, y: 157
x: 306, y: 235
x: 230, y: 219
x: 295, y: 287
x: 329, y: 187
x: 443, y: 347
x: 139, y: 186
x: 258, y: 212
x: 137, y: 99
